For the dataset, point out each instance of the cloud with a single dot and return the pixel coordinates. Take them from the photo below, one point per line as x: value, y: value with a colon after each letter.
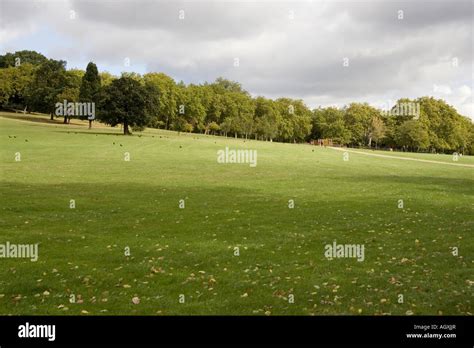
x: 284, y: 48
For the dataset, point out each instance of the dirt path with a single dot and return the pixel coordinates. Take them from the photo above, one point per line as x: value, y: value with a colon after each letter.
x: 401, y: 158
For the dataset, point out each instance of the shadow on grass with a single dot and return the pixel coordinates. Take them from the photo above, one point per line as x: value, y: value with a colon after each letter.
x: 137, y: 134
x: 33, y: 118
x: 232, y: 205
x: 430, y: 183
x: 74, y: 131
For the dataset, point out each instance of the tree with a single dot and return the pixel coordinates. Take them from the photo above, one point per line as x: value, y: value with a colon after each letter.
x: 463, y: 135
x: 213, y: 106
x: 5, y: 86
x: 29, y: 80
x: 106, y: 78
x: 165, y: 88
x: 222, y: 85
x: 376, y: 130
x: 267, y: 118
x: 194, y: 110
x: 70, y: 92
x: 330, y: 125
x: 412, y: 135
x: 244, y: 111
x: 358, y: 118
x: 190, y: 108
x: 296, y: 119
x: 90, y: 86
x: 14, y: 84
x: 48, y: 82
x: 21, y: 57
x: 447, y: 130
x: 214, y: 128
x: 124, y: 102
x: 226, y: 102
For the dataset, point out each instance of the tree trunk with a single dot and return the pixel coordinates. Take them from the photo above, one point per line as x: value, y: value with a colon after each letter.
x: 90, y: 124
x: 65, y: 120
x: 51, y: 117
x: 125, y: 128
x: 370, y: 141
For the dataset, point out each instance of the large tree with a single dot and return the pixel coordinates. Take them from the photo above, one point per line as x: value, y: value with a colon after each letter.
x: 296, y: 119
x: 244, y: 113
x: 21, y: 57
x: 376, y: 130
x: 191, y: 111
x: 124, y: 102
x: 90, y: 87
x: 358, y: 118
x: 213, y: 106
x: 166, y: 110
x: 267, y: 118
x: 412, y: 135
x: 329, y: 124
x: 14, y: 85
x: 49, y: 81
x: 106, y: 78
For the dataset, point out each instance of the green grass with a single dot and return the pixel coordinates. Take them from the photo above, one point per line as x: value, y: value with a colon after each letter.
x: 448, y: 158
x: 191, y: 251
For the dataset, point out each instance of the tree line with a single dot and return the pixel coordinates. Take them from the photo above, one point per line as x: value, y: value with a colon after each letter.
x: 31, y: 82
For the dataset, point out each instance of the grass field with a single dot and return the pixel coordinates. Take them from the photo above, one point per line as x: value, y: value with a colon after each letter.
x: 190, y: 251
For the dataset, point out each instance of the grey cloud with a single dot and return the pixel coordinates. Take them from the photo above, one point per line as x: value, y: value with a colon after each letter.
x: 279, y: 56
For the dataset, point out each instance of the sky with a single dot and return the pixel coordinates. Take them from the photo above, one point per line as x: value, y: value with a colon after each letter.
x: 328, y: 53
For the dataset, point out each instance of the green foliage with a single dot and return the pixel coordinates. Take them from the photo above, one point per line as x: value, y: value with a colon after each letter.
x: 359, y: 120
x: 124, y: 102
x: 106, y: 78
x: 190, y: 107
x: 438, y: 126
x: 49, y: 81
x: 21, y: 57
x: 165, y: 108
x: 90, y: 84
x: 214, y: 127
x: 296, y: 119
x: 329, y: 123
x: 71, y: 91
x: 70, y: 94
x: 377, y: 130
x: 14, y: 85
x: 224, y: 107
x: 267, y: 118
x: 448, y: 131
x: 413, y: 135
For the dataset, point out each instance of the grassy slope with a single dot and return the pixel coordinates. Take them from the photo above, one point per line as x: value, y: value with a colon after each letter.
x: 424, y: 156
x: 190, y: 251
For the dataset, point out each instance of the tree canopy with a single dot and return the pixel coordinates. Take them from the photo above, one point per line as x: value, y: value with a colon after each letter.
x: 30, y: 81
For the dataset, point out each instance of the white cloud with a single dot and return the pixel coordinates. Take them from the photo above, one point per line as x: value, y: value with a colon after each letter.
x: 279, y: 55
